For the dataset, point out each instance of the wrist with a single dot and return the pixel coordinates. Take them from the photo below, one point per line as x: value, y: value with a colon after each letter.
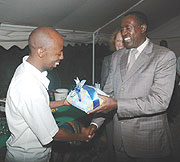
x: 93, y: 126
x: 115, y: 104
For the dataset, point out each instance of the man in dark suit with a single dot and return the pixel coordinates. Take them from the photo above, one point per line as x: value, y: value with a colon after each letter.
x: 140, y: 85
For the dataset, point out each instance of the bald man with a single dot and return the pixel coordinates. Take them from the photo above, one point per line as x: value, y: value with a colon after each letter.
x: 28, y: 112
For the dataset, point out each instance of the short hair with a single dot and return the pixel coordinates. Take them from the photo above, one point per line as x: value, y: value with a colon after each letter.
x: 163, y: 43
x: 140, y: 16
x: 112, y: 39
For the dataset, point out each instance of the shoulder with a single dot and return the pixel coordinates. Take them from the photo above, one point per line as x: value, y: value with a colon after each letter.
x: 158, y: 51
x: 116, y: 56
x: 108, y: 57
x: 119, y: 53
x: 163, y: 57
x: 23, y: 81
x: 163, y: 50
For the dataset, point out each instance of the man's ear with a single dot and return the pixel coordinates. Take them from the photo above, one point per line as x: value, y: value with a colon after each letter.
x: 41, y: 52
x: 143, y: 28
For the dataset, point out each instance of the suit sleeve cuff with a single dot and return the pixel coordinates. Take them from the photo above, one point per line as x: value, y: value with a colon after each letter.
x: 94, y: 124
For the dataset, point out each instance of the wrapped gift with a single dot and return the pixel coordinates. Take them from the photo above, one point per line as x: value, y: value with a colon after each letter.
x: 85, y: 97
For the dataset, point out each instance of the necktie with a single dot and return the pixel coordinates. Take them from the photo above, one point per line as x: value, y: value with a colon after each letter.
x: 132, y: 58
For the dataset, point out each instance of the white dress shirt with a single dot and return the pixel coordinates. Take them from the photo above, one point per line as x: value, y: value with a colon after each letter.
x: 29, y: 116
x: 140, y: 49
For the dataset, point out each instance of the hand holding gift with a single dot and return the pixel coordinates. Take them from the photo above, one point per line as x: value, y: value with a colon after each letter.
x: 108, y: 105
x: 85, y: 97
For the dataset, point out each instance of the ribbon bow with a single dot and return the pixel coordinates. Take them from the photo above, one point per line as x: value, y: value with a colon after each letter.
x: 91, y: 91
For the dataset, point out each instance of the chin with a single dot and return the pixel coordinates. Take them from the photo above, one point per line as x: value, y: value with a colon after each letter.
x: 50, y: 69
x: 128, y: 45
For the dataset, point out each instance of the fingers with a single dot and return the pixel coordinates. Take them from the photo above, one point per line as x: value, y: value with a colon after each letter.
x: 107, y: 105
x: 66, y: 103
x: 97, y: 110
x: 91, y: 131
x: 102, y: 97
x: 90, y: 137
x: 86, y: 133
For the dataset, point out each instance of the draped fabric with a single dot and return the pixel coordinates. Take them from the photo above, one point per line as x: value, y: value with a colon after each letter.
x: 77, y: 63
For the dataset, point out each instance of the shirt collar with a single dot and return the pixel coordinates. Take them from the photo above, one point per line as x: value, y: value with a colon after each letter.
x: 42, y: 76
x: 142, y: 46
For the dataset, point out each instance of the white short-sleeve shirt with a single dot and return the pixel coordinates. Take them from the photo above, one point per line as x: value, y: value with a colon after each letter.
x: 29, y: 116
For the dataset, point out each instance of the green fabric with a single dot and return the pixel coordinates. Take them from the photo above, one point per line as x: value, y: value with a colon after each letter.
x: 62, y: 115
x: 3, y: 139
x: 4, y: 131
x: 67, y: 113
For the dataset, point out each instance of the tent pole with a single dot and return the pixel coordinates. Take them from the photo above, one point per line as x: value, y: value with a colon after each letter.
x: 119, y: 16
x: 93, y: 59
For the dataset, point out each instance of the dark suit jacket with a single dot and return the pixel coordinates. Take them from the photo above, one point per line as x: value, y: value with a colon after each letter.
x: 105, y: 70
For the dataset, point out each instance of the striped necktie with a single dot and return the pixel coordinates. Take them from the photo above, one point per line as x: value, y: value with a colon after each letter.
x: 132, y: 58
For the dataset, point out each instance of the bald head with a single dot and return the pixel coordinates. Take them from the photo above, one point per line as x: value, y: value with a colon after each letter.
x: 43, y: 37
x: 46, y: 48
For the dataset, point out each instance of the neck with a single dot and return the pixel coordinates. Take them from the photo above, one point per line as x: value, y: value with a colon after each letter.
x: 35, y: 62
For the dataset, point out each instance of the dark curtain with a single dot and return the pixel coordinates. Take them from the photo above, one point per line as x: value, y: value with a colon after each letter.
x: 77, y: 62
x: 9, y: 60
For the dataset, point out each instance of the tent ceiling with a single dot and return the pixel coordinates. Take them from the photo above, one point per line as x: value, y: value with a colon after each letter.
x: 77, y: 15
x: 82, y: 15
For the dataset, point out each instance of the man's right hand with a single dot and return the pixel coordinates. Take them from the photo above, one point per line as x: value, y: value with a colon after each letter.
x: 92, y: 128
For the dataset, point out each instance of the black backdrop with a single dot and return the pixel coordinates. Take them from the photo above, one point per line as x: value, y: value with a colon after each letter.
x: 77, y: 63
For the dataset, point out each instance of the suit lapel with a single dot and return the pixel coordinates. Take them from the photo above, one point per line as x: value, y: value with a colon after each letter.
x: 123, y: 64
x: 141, y: 60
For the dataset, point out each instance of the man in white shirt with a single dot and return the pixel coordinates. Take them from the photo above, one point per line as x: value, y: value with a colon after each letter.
x: 139, y: 94
x: 28, y: 112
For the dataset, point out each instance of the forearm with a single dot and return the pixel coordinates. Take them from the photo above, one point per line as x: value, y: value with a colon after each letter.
x: 65, y: 136
x: 54, y: 104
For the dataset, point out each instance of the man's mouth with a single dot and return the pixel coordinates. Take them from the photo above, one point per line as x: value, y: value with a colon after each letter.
x: 127, y: 39
x: 57, y: 63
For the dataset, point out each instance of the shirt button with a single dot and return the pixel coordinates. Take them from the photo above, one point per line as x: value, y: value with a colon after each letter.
x: 122, y: 88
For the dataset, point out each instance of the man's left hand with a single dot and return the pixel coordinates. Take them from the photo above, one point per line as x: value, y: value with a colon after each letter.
x: 108, y: 104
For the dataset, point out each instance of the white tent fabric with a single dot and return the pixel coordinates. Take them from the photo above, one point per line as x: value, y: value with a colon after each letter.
x: 76, y: 20
x: 18, y: 35
x: 14, y: 35
x: 170, y: 31
x: 86, y: 15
